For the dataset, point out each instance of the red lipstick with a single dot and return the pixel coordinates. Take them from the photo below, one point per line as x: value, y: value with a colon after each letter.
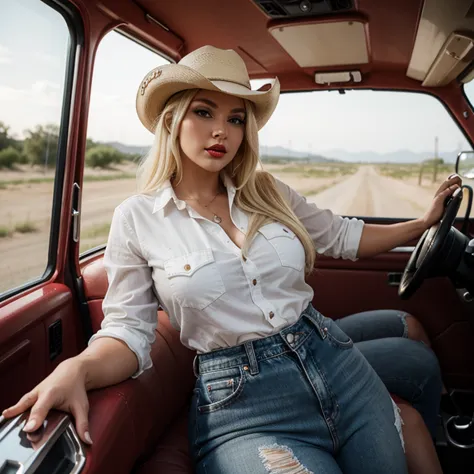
x: 217, y: 151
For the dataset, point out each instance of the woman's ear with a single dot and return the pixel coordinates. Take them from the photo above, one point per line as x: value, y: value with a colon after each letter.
x: 167, y: 121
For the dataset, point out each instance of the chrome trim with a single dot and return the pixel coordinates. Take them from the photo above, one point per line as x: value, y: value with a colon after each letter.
x: 26, y: 451
x: 76, y: 213
x: 452, y: 421
x: 403, y: 249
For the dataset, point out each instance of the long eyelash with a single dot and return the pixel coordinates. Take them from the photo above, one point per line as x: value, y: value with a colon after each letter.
x: 199, y: 111
x: 241, y: 121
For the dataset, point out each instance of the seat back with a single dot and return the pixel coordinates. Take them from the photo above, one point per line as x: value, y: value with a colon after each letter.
x: 160, y: 393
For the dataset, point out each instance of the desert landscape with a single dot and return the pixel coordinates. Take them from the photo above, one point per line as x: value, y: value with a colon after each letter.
x: 383, y: 190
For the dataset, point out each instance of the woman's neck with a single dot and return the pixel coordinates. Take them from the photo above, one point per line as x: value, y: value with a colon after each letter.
x: 198, y: 186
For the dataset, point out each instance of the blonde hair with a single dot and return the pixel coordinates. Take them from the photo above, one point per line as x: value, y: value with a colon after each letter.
x: 256, y: 190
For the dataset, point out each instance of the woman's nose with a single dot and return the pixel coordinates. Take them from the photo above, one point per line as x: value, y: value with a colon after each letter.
x: 219, y: 131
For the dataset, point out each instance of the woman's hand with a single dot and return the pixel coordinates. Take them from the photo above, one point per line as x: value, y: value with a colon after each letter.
x: 435, y: 212
x: 63, y: 389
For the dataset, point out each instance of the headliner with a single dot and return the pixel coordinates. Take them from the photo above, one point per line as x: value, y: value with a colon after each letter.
x: 241, y: 25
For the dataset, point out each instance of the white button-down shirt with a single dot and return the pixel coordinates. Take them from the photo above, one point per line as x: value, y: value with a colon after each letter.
x: 162, y: 252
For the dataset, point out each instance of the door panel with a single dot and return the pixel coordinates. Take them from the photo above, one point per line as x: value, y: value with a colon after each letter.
x: 343, y: 287
x: 25, y: 339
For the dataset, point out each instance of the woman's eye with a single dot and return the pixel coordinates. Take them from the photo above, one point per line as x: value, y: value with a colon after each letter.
x: 237, y: 121
x: 202, y: 113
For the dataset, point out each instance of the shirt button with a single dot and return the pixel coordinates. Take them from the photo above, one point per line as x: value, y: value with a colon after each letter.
x: 290, y: 338
x: 187, y: 267
x: 254, y: 282
x: 271, y: 314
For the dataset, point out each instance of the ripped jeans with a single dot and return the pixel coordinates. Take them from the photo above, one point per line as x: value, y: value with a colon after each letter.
x: 409, y: 369
x: 299, y: 402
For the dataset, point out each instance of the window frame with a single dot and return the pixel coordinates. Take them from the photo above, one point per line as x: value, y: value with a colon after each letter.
x: 391, y: 220
x: 75, y: 28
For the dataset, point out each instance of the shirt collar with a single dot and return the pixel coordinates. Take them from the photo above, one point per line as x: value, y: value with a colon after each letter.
x: 165, y: 194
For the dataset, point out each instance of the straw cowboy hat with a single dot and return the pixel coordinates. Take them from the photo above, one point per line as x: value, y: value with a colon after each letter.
x: 207, y: 68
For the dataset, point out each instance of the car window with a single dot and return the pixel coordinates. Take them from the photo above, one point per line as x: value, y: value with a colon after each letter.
x: 32, y: 93
x: 363, y: 153
x: 116, y: 138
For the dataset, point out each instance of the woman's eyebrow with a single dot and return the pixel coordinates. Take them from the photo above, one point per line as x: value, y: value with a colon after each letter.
x: 212, y: 104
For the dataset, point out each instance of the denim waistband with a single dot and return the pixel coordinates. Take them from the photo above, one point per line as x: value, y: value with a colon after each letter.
x: 250, y: 352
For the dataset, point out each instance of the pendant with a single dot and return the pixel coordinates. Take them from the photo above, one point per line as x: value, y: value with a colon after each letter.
x: 217, y: 219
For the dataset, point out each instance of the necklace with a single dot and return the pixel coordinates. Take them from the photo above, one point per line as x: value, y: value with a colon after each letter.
x: 217, y: 219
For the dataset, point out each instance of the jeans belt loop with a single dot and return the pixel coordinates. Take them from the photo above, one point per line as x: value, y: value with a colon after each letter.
x: 249, y: 349
x: 196, y: 366
x: 316, y: 320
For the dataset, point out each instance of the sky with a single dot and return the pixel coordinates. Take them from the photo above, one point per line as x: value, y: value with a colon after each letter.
x: 32, y: 70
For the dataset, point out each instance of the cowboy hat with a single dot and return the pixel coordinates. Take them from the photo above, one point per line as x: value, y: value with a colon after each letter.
x: 207, y: 68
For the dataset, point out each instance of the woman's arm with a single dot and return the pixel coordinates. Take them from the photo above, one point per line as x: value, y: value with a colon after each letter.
x: 120, y: 349
x: 107, y: 361
x: 382, y: 238
x: 351, y: 238
x: 376, y: 239
x: 130, y: 305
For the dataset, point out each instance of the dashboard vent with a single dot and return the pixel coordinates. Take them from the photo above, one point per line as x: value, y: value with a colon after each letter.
x: 272, y: 9
x: 302, y: 8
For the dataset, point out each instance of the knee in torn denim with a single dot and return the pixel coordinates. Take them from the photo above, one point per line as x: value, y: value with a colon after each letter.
x: 398, y: 423
x: 403, y: 317
x: 281, y: 460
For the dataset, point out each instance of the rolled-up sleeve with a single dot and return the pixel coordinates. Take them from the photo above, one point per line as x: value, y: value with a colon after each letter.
x: 130, y: 305
x: 333, y: 235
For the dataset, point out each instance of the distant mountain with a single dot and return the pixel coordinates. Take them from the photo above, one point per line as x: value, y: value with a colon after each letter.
x: 336, y: 154
x: 400, y: 156
x: 272, y: 152
x: 129, y: 149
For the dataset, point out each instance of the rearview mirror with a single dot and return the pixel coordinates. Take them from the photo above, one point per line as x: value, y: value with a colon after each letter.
x: 465, y: 164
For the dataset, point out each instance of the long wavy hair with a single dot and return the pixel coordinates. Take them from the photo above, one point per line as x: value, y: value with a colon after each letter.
x: 256, y: 190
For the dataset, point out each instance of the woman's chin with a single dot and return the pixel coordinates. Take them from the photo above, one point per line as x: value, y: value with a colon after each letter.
x: 211, y: 165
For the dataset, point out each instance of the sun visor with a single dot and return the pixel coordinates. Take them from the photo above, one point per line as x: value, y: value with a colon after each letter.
x: 337, y: 43
x: 435, y: 38
x: 453, y: 58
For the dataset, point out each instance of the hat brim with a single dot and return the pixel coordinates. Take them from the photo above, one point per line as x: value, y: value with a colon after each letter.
x: 165, y: 81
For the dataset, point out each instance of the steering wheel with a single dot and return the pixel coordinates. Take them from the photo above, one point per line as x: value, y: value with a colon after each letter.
x: 427, y: 251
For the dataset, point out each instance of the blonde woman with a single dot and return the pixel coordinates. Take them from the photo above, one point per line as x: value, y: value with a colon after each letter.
x: 224, y: 249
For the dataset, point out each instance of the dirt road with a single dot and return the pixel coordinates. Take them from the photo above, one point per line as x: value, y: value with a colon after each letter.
x: 367, y: 193
x: 24, y: 256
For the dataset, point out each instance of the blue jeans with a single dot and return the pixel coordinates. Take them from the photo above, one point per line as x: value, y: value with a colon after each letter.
x: 408, y: 368
x: 304, y: 400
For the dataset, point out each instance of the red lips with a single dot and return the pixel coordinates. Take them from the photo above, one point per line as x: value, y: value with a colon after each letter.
x: 218, y: 148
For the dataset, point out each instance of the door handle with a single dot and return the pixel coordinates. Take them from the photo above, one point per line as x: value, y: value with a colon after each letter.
x: 54, y: 444
x: 394, y: 278
x: 76, y: 212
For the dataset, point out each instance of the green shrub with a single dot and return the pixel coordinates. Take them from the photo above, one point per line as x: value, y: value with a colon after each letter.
x: 9, y: 157
x: 25, y: 227
x: 4, y: 232
x: 102, y: 157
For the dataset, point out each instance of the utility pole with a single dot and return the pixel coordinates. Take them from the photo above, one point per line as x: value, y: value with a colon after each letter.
x: 47, y: 154
x: 436, y: 160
